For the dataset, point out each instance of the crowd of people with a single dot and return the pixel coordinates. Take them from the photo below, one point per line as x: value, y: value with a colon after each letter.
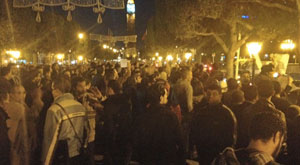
x: 143, y: 114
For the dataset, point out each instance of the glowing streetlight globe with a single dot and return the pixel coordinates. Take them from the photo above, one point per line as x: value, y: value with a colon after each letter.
x: 105, y: 46
x: 254, y: 48
x: 80, y: 58
x: 80, y: 35
x: 170, y: 58
x: 188, y: 56
x: 160, y: 58
x: 156, y: 54
x: 60, y: 56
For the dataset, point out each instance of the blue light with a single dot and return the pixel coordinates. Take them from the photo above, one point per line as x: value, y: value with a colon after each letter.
x: 131, y: 8
x: 245, y: 16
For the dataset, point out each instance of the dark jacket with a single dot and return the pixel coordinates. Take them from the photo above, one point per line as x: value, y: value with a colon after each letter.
x: 4, y: 141
x: 243, y: 157
x: 158, y: 137
x: 213, y: 129
x: 117, y: 128
x: 262, y: 105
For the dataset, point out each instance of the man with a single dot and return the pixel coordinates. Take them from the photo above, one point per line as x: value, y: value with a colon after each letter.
x: 245, y: 80
x: 58, y: 128
x: 280, y: 103
x: 117, y: 125
x: 18, y: 125
x: 265, y: 91
x: 5, y: 144
x: 157, y: 135
x: 213, y: 127
x: 232, y: 85
x: 267, y: 133
x: 265, y: 74
x: 183, y: 91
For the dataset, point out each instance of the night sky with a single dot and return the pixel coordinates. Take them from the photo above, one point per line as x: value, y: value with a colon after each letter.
x: 112, y: 19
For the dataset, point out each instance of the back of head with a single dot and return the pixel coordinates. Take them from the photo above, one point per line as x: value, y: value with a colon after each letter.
x: 155, y: 92
x: 237, y: 97
x: 5, y: 71
x: 265, y: 125
x: 76, y: 80
x: 250, y: 93
x: 185, y: 72
x: 265, y: 88
x: 5, y: 88
x: 214, y: 86
x: 115, y: 86
x: 62, y: 84
x: 232, y: 84
x: 198, y: 88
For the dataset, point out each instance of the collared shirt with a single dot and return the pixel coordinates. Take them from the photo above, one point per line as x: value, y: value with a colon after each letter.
x: 58, y: 127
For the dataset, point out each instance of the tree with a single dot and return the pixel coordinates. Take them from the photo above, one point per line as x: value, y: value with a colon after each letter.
x: 221, y: 20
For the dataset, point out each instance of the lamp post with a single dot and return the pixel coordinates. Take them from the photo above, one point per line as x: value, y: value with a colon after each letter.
x: 254, y: 48
x: 80, y: 36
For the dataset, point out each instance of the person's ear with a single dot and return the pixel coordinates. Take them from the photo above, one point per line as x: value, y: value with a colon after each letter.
x: 277, y: 137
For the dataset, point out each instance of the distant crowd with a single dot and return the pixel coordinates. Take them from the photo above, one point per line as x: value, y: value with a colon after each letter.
x: 147, y: 115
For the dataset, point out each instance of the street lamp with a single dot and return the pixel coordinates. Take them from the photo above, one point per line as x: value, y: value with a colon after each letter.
x: 188, y: 56
x: 80, y: 58
x: 105, y: 46
x: 160, y: 58
x: 60, y: 56
x: 170, y: 58
x: 254, y: 48
x: 80, y: 35
x: 156, y: 54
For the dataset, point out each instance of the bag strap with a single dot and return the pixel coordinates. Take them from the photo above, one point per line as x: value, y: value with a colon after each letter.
x: 63, y: 109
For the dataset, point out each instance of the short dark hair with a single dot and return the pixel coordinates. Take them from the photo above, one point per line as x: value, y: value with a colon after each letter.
x: 198, y: 88
x: 214, y: 87
x: 237, y: 96
x: 62, y: 84
x: 265, y: 125
x: 184, y: 72
x: 265, y: 88
x: 250, y: 93
x: 232, y: 84
x: 76, y: 80
x: 5, y: 88
x: 115, y: 86
x: 155, y: 91
x: 5, y: 71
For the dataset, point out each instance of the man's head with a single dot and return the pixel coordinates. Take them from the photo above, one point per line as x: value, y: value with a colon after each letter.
x: 78, y: 86
x: 238, y: 97
x: 251, y: 93
x: 158, y: 93
x: 268, y: 70
x: 232, y: 84
x: 6, y: 73
x: 60, y: 85
x: 111, y: 74
x: 214, y: 94
x: 267, y: 131
x: 4, y: 91
x: 114, y: 87
x: 265, y: 89
x: 245, y: 78
x: 187, y: 74
x: 18, y: 93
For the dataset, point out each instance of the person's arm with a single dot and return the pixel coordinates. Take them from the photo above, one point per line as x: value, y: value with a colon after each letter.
x: 51, y: 132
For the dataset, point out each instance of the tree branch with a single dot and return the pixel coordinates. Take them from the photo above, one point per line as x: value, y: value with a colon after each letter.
x: 273, y: 5
x: 248, y: 26
x: 218, y: 39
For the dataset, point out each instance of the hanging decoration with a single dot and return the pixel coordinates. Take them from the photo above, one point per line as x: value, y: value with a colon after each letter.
x: 99, y: 6
x: 99, y: 10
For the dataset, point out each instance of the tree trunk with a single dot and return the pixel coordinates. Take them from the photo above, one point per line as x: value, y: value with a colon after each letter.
x: 230, y: 63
